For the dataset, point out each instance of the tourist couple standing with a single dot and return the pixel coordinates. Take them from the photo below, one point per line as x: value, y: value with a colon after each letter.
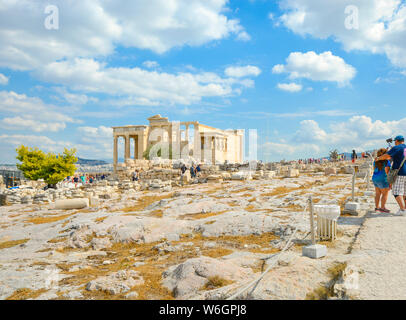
x: 382, y: 166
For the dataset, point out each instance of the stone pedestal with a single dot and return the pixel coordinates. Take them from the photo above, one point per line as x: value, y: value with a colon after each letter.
x: 314, y: 251
x: 352, y: 208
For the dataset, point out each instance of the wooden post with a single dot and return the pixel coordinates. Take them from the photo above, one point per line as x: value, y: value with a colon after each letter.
x: 312, y: 220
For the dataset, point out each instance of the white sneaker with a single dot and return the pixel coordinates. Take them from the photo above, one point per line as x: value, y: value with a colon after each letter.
x: 400, y: 213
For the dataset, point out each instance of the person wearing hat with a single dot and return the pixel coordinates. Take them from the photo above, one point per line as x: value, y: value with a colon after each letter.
x: 397, y: 154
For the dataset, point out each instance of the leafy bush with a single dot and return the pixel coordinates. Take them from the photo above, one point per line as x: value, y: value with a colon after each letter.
x: 36, y: 164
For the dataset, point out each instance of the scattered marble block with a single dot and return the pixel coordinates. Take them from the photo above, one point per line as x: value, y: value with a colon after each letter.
x: 330, y: 171
x: 369, y: 193
x: 352, y: 208
x: 94, y: 202
x: 78, y: 203
x: 314, y: 251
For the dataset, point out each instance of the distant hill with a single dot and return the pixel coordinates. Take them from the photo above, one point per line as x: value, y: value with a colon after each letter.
x: 87, y: 162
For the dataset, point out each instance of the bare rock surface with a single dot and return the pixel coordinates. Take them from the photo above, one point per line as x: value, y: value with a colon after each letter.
x: 119, y: 282
x: 193, y: 274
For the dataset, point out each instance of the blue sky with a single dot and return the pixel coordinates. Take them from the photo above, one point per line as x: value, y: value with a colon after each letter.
x: 292, y: 69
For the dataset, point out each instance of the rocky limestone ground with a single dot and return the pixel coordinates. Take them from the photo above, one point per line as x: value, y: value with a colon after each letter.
x: 202, y: 241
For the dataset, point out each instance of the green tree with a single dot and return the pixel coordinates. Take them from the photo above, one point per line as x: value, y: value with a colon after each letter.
x: 53, y: 168
x: 156, y: 149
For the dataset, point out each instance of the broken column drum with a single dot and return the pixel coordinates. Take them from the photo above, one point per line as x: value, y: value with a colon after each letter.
x: 327, y: 216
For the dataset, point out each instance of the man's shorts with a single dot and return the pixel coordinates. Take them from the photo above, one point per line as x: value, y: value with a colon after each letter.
x: 399, y: 187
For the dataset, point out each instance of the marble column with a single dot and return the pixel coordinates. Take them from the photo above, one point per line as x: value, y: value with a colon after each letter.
x: 127, y: 151
x: 115, y: 155
x: 197, y: 148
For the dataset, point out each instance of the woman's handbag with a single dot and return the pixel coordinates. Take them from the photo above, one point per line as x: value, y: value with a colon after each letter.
x: 393, y: 173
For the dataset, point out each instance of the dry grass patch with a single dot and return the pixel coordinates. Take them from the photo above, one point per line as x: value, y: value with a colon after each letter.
x: 12, y: 243
x: 294, y: 208
x: 234, y: 242
x: 48, y: 219
x: 214, y: 190
x: 57, y: 240
x: 144, y: 202
x: 326, y: 291
x: 25, y: 293
x: 40, y: 263
x: 216, y: 252
x: 278, y: 191
x: 197, y: 216
x: 216, y: 282
x: 251, y: 208
x: 157, y: 213
x: 101, y: 219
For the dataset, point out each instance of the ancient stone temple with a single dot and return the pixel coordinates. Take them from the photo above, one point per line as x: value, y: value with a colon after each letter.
x: 184, y: 139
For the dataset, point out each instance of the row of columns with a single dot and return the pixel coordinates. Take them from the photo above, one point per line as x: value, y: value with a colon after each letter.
x: 138, y: 146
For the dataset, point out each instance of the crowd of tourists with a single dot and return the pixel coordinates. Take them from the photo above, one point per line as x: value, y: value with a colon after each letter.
x: 194, y: 171
x: 83, y: 179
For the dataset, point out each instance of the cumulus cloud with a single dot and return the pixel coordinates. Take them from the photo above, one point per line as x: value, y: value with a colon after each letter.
x: 150, y: 64
x: 359, y: 132
x: 140, y: 86
x: 317, y: 67
x: 91, y: 29
x: 3, y: 79
x: 290, y: 87
x: 381, y: 24
x: 42, y: 142
x: 72, y: 98
x: 96, y: 149
x: 16, y: 123
x: 241, y: 72
x: 97, y: 132
x: 32, y: 113
x: 99, y: 141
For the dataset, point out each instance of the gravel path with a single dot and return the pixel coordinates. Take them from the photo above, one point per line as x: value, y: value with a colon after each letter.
x: 380, y: 254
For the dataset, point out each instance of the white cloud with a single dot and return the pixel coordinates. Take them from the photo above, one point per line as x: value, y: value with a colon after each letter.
x: 382, y: 24
x: 72, y: 98
x: 243, y: 36
x: 101, y: 132
x: 317, y: 67
x: 32, y: 113
x: 290, y: 87
x: 86, y: 147
x: 359, y: 132
x: 3, y: 79
x: 283, y: 150
x: 92, y: 29
x: 241, y: 72
x: 99, y: 142
x: 150, y: 64
x: 142, y: 87
x: 17, y: 123
x: 42, y: 142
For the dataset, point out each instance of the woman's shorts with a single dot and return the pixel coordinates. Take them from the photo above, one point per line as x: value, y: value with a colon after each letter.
x: 382, y: 184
